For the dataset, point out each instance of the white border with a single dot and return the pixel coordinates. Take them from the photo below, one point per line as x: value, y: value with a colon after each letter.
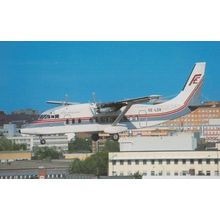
x: 109, y: 20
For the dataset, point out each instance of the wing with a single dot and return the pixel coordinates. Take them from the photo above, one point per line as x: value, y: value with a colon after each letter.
x: 115, y: 106
x: 61, y: 103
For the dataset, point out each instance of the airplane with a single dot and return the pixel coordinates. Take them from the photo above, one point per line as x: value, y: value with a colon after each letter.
x: 119, y: 116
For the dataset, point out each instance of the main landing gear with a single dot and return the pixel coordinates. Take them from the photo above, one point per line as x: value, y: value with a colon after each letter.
x: 114, y: 137
x: 42, y: 141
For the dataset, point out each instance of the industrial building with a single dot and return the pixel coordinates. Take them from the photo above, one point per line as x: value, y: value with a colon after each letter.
x: 55, y: 169
x: 176, y: 141
x: 174, y: 155
x: 176, y: 163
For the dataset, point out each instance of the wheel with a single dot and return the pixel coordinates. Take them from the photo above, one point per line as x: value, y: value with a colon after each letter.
x: 42, y: 141
x: 95, y: 137
x: 115, y: 137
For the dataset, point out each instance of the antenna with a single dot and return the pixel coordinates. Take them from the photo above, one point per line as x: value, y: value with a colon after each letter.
x: 94, y: 97
x: 66, y: 99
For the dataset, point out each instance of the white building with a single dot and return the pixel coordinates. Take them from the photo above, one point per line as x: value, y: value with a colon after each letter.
x: 9, y: 130
x: 57, y: 142
x: 165, y: 163
x: 174, y: 142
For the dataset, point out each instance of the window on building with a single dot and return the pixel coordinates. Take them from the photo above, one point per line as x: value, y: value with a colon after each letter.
x: 200, y: 161
x: 144, y: 161
x: 121, y: 162
x: 175, y: 161
x: 56, y: 116
x: 208, y: 161
x: 152, y: 173
x: 160, y: 161
x: 184, y: 161
x: 168, y: 161
x: 129, y: 162
x: 216, y: 161
x: 67, y: 121
x: 208, y: 173
x: 73, y: 121
x: 200, y: 173
x: 136, y: 162
x: 113, y: 162
x: 79, y: 120
x: 152, y: 161
x: 191, y: 161
x: 160, y: 173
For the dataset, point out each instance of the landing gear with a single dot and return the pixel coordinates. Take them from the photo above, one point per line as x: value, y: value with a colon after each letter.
x: 42, y: 141
x: 95, y: 137
x: 115, y: 137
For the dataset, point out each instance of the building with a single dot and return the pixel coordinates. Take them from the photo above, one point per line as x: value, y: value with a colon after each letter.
x: 175, y: 163
x: 11, y: 156
x: 205, y: 119
x: 9, y: 130
x: 80, y: 156
x: 55, y: 169
x: 58, y: 142
x: 176, y: 141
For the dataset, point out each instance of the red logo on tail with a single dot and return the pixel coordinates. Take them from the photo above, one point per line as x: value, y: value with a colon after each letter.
x: 195, y: 79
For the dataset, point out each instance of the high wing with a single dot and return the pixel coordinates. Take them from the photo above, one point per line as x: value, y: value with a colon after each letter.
x: 62, y: 103
x: 115, y: 106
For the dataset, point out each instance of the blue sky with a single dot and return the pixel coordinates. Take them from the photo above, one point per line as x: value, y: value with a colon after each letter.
x: 33, y: 72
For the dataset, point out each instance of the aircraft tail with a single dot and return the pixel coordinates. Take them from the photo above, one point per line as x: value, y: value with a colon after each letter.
x: 191, y: 92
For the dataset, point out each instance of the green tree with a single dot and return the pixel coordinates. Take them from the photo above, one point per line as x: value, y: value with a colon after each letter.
x: 80, y: 145
x: 97, y: 164
x: 8, y: 145
x: 46, y: 153
x: 137, y: 175
x: 77, y: 167
x: 111, y: 146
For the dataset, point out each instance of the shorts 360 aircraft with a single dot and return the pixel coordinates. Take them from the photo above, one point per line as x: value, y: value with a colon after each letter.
x: 119, y: 116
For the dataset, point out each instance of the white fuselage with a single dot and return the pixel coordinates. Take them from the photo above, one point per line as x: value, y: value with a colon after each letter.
x: 79, y: 118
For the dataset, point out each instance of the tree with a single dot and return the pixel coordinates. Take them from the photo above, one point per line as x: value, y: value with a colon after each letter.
x: 46, y: 153
x: 8, y: 145
x: 111, y: 146
x: 77, y: 167
x: 137, y: 175
x: 80, y: 145
x: 97, y: 164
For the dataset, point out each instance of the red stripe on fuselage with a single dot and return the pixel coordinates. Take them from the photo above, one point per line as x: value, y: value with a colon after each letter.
x: 142, y: 115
